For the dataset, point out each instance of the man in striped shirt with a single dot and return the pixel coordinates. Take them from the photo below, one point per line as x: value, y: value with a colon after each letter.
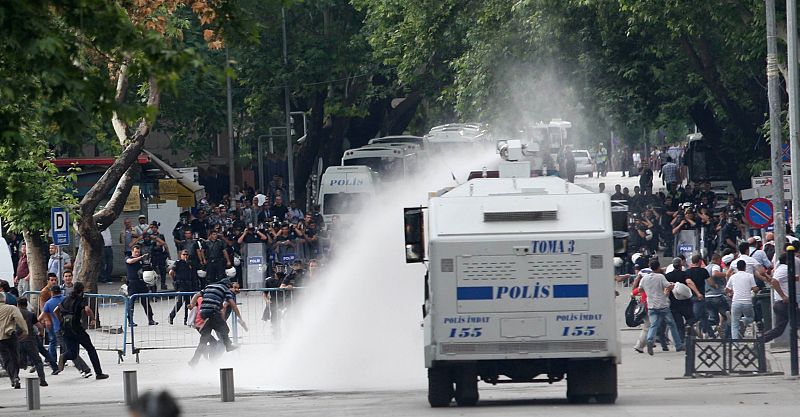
x: 214, y: 297
x: 670, y: 174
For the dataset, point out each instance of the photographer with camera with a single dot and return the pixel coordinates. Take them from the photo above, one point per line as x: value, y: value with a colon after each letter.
x: 685, y: 220
x: 284, y: 242
x: 730, y: 231
x: 177, y: 231
x: 136, y: 284
x: 254, y: 235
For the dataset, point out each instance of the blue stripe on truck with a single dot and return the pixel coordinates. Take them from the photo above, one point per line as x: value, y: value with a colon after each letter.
x: 571, y: 291
x: 475, y: 293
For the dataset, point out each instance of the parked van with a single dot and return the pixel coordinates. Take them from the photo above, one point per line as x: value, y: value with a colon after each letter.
x: 344, y: 190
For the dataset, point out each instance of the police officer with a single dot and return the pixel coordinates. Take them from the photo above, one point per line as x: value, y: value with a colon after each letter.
x: 136, y: 284
x: 216, y: 257
x: 159, y: 252
x: 184, y: 276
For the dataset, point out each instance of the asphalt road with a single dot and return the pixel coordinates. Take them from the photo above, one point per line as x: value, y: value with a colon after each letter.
x: 648, y: 386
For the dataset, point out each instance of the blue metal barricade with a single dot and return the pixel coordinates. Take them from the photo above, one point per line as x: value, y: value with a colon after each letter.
x: 109, y: 331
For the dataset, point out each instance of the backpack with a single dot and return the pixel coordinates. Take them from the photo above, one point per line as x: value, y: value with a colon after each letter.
x: 71, y: 319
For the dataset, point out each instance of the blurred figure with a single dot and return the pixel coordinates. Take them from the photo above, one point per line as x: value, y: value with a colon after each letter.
x: 152, y: 404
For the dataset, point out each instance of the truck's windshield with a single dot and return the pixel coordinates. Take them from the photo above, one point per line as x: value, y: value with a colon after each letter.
x: 388, y: 168
x: 344, y: 203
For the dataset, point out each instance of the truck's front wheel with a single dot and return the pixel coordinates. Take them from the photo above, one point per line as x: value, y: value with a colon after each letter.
x: 440, y: 387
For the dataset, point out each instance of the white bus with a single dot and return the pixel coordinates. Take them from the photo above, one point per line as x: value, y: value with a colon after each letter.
x: 391, y: 163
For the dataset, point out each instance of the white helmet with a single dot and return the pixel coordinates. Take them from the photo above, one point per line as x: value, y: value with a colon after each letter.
x: 201, y: 273
x: 617, y: 261
x: 237, y: 260
x: 230, y: 272
x: 648, y: 235
x: 150, y: 277
x: 123, y: 290
x: 635, y: 257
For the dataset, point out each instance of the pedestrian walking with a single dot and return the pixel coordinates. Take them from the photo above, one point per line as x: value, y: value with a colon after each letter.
x: 10, y: 319
x: 69, y: 314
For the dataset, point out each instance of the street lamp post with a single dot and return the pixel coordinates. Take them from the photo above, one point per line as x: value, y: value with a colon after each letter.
x: 289, y: 148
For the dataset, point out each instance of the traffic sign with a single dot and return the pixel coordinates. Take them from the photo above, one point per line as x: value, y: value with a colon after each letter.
x: 758, y: 212
x: 59, y: 223
x: 786, y: 152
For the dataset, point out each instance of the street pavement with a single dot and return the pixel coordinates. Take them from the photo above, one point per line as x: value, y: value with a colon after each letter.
x: 651, y: 386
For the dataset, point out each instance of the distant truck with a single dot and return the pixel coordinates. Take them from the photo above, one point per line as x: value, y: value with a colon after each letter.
x: 391, y: 163
x: 345, y: 190
x: 704, y: 163
x: 519, y: 286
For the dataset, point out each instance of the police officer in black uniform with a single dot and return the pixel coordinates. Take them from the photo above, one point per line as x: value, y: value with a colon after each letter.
x: 159, y: 252
x: 216, y: 257
x: 184, y: 275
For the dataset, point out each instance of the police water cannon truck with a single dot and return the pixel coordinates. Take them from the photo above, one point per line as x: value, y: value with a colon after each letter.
x: 519, y: 286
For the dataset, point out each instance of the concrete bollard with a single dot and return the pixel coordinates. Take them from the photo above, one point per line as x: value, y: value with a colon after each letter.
x: 131, y: 388
x: 226, y: 384
x: 32, y: 393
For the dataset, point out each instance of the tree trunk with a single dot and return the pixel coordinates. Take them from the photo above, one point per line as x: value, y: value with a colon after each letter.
x: 37, y: 247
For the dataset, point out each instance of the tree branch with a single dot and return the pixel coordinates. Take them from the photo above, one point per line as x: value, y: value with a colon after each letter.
x: 703, y: 62
x: 116, y: 203
x: 120, y: 127
x: 127, y: 158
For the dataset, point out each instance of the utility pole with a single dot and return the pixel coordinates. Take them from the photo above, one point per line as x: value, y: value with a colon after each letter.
x: 794, y: 112
x: 231, y: 159
x: 289, y: 150
x: 775, y: 129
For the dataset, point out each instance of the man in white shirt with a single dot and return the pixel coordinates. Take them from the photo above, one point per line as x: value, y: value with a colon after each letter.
x: 752, y: 266
x: 58, y: 261
x: 741, y: 287
x: 756, y: 251
x: 780, y: 298
x: 108, y: 256
x: 657, y: 288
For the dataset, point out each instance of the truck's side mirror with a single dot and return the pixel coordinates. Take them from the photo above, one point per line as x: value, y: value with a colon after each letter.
x: 414, y: 224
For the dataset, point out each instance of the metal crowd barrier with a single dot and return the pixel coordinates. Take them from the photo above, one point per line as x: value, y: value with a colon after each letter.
x: 722, y: 356
x: 265, y: 312
x: 163, y: 335
x: 109, y: 331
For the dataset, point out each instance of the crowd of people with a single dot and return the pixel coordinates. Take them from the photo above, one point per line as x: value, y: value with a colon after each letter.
x: 63, y: 318
x: 211, y: 241
x: 717, y: 267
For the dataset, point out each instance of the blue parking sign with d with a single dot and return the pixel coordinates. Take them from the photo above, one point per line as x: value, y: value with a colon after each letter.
x: 59, y: 223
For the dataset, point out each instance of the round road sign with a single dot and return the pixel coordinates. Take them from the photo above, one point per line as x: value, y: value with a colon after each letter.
x: 759, y: 212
